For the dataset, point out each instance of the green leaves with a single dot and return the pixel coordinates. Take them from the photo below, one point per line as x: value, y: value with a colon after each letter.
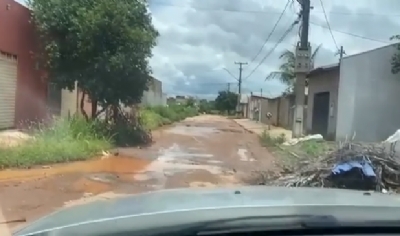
x: 286, y: 70
x: 105, y: 45
x: 226, y: 101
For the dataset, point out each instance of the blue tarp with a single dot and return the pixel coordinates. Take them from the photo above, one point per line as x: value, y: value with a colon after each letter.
x: 363, y: 165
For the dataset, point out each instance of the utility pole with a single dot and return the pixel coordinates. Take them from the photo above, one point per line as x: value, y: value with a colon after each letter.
x: 340, y: 52
x: 240, y: 83
x: 260, y: 105
x: 229, y: 87
x: 303, y: 61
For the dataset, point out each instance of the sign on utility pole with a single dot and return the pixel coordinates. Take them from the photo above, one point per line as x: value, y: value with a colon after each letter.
x: 302, y: 67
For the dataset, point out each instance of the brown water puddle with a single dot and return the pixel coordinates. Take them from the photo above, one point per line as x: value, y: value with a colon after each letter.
x: 123, y: 167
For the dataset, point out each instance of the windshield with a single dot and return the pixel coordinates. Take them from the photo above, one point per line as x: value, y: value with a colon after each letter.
x: 109, y: 98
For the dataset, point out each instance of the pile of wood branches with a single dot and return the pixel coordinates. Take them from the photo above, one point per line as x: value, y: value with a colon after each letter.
x: 385, y: 164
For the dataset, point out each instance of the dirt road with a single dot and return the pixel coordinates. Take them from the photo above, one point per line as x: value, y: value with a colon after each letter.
x: 204, y: 151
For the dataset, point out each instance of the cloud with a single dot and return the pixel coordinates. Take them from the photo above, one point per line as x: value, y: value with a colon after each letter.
x: 200, y: 37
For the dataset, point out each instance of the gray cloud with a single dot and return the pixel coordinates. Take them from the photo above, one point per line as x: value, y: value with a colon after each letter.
x: 200, y: 37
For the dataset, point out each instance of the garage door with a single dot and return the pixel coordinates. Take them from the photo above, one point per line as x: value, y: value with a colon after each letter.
x: 8, y: 87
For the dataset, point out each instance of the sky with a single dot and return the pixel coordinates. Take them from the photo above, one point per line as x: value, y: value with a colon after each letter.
x: 200, y: 40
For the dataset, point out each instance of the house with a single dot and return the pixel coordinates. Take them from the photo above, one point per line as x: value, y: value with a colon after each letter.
x: 154, y: 96
x: 257, y: 107
x: 23, y: 91
x: 244, y: 105
x: 358, y: 97
x: 26, y: 94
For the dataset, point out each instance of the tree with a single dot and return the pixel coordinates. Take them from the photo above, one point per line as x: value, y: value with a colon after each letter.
x: 286, y: 70
x: 226, y: 101
x: 206, y: 106
x: 103, y: 45
x: 191, y: 102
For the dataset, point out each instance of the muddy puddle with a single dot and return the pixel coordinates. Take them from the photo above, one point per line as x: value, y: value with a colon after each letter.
x: 124, y: 167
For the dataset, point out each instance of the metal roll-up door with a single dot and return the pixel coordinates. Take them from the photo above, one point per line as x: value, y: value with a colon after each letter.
x: 8, y: 88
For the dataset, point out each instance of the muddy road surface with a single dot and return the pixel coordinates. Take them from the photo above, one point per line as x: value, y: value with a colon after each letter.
x: 204, y: 151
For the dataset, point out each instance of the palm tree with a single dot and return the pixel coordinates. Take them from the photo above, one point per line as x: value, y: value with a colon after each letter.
x: 286, y: 69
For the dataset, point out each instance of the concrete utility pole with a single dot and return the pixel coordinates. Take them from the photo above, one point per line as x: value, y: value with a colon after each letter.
x: 240, y: 82
x: 302, y: 67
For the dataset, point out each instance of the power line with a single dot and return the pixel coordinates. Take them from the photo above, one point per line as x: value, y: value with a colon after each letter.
x: 329, y: 26
x: 351, y: 34
x: 268, y: 12
x: 272, y: 31
x: 274, y: 12
x: 275, y: 46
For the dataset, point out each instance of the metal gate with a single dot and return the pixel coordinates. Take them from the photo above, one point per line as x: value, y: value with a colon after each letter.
x: 8, y: 89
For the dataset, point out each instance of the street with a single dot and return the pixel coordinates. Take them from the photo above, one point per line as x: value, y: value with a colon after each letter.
x: 203, y: 151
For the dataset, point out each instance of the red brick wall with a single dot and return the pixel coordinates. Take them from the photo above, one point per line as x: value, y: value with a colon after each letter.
x: 17, y: 36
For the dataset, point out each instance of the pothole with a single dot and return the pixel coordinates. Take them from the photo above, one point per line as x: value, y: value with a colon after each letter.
x: 103, y: 177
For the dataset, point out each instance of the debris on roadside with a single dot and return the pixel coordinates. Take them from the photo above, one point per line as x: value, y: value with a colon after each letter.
x: 295, y: 141
x: 358, y: 166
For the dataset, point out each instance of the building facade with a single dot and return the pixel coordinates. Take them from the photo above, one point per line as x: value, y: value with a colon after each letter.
x: 23, y: 89
x: 323, y: 89
x: 358, y: 98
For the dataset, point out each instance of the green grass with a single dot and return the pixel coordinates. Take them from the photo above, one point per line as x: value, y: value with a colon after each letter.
x: 268, y: 141
x: 290, y: 156
x: 77, y: 139
x: 64, y: 141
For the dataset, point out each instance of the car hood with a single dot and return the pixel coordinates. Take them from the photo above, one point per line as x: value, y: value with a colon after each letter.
x: 191, y: 199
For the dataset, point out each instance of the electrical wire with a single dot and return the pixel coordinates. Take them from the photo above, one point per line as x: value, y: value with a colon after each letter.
x: 273, y: 49
x: 272, y: 31
x: 351, y: 34
x: 274, y: 12
x: 329, y: 25
x: 269, y: 12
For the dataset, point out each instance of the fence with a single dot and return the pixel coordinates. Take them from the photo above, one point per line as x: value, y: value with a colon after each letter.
x: 282, y: 110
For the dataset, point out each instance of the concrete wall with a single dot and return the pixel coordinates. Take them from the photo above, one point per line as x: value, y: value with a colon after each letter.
x: 285, y: 112
x: 70, y: 103
x: 273, y: 105
x: 369, y: 96
x: 264, y: 111
x: 323, y: 82
x: 154, y: 96
x: 255, y: 103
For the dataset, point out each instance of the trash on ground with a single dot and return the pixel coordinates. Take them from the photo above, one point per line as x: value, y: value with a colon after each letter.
x: 352, y: 166
x: 295, y: 141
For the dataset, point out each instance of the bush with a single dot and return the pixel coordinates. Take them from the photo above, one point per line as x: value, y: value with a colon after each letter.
x: 63, y: 141
x: 156, y: 116
x: 267, y: 140
x: 151, y: 119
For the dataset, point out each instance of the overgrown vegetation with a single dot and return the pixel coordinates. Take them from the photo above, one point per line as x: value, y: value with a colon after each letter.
x: 63, y: 141
x: 103, y: 46
x: 78, y: 139
x: 226, y: 102
x: 269, y: 141
x: 153, y: 117
x: 291, y: 155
